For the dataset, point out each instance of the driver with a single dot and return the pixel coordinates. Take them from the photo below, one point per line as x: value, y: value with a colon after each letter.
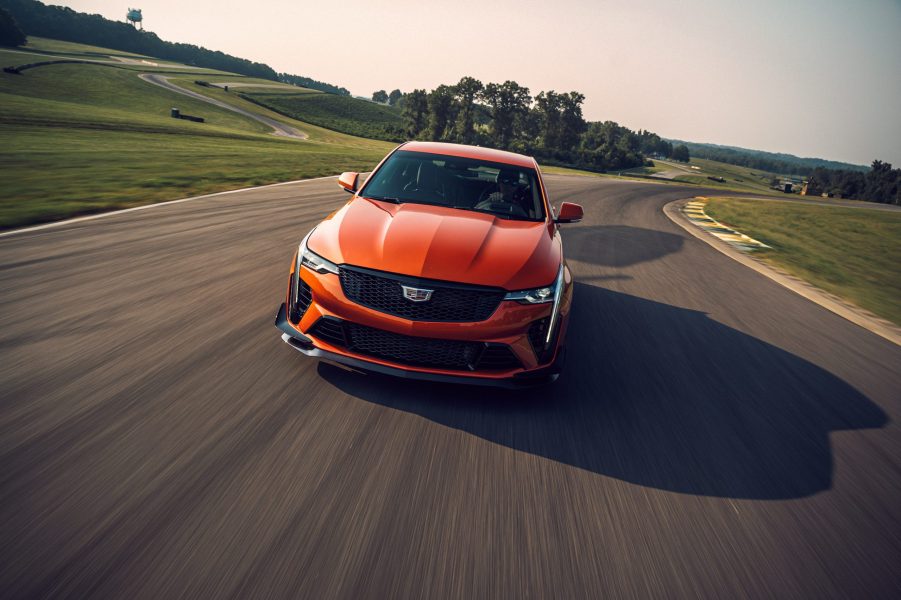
x: 508, y: 191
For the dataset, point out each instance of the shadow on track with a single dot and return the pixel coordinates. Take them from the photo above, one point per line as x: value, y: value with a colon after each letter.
x: 658, y: 396
x: 618, y: 245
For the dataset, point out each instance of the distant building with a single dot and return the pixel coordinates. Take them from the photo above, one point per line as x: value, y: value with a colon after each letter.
x: 810, y: 189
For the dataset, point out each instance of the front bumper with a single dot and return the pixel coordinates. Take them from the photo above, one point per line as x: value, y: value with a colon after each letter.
x: 519, y: 380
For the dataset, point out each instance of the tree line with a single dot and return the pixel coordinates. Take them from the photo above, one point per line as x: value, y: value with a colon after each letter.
x: 383, y: 97
x: 774, y: 162
x: 881, y: 183
x: 63, y: 23
x: 11, y: 35
x: 313, y: 84
x: 505, y: 115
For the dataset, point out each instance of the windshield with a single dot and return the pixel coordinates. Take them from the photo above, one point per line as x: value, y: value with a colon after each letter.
x: 503, y: 190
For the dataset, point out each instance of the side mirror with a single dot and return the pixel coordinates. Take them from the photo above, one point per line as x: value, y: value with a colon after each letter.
x: 569, y: 213
x: 348, y: 181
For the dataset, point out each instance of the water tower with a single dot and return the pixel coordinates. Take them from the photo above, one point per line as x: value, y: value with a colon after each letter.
x: 134, y: 17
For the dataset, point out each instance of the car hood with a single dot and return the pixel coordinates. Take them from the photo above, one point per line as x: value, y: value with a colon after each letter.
x: 435, y: 242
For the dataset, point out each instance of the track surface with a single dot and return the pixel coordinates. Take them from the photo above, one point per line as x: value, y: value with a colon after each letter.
x: 713, y: 435
x: 278, y: 128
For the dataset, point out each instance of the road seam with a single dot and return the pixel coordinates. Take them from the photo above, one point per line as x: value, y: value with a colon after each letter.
x: 154, y: 205
x: 855, y: 314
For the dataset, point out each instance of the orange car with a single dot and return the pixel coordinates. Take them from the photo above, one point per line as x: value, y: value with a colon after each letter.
x: 446, y: 265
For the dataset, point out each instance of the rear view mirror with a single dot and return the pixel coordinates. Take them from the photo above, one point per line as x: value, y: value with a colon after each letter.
x: 348, y: 181
x: 569, y: 213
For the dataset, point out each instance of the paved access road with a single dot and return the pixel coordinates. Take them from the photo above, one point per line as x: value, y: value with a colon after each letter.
x: 278, y: 128
x: 714, y: 435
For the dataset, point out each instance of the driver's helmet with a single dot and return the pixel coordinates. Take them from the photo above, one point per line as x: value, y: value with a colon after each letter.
x: 508, y: 176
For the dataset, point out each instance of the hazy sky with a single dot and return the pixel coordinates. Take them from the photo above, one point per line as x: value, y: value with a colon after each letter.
x: 812, y: 78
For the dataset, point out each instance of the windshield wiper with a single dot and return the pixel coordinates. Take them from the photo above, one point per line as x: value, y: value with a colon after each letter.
x: 384, y: 198
x: 506, y: 216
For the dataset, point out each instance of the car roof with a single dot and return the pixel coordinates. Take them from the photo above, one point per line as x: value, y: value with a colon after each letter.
x: 476, y: 152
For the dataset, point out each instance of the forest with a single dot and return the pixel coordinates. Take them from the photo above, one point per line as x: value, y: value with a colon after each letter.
x: 549, y: 126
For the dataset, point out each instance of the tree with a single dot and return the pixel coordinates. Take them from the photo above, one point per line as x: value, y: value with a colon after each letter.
x: 441, y: 112
x: 312, y: 84
x: 380, y: 96
x: 610, y: 146
x: 507, y: 102
x: 394, y: 97
x: 651, y: 143
x: 571, y: 122
x: 680, y: 153
x: 881, y: 182
x: 416, y: 112
x: 467, y: 91
x: 10, y: 32
x: 547, y: 107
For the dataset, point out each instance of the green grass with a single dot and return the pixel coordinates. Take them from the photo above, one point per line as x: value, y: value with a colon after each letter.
x: 62, y: 48
x: 85, y: 138
x: 55, y: 174
x: 316, y: 133
x: 736, y: 177
x: 339, y: 113
x: 263, y: 86
x: 851, y: 253
x: 555, y: 170
x: 82, y: 138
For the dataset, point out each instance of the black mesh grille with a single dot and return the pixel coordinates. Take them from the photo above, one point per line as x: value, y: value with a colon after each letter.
x: 329, y: 330
x: 448, y: 303
x: 416, y: 351
x: 302, y: 303
x: 537, y: 337
x: 498, y: 357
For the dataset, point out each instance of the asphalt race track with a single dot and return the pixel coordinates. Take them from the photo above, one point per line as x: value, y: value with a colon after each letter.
x: 713, y: 435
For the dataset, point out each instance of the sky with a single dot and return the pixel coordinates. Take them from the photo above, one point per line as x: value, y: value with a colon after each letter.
x: 811, y: 78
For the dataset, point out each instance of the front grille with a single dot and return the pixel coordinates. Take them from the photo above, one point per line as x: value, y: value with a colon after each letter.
x: 415, y: 351
x: 449, y: 302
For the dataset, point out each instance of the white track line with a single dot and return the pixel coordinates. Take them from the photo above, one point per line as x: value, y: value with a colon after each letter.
x: 148, y: 206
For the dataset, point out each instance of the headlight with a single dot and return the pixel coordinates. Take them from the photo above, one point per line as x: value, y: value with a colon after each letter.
x: 313, y: 261
x: 536, y: 296
x: 550, y: 293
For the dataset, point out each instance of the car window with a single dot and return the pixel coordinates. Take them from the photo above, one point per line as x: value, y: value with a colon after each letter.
x: 463, y: 183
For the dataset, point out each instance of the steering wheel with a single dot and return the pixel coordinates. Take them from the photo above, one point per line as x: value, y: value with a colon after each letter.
x: 413, y: 186
x: 485, y: 194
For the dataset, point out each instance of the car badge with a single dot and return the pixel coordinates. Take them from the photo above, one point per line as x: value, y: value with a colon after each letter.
x: 416, y: 294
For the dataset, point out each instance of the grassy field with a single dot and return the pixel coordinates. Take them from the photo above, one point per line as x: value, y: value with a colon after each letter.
x: 641, y: 174
x: 735, y: 176
x: 339, y: 113
x: 85, y: 138
x: 82, y: 138
x: 62, y: 48
x: 851, y: 253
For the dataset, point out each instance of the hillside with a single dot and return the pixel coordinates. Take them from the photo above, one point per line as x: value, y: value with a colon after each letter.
x: 62, y: 23
x: 776, y: 162
x: 81, y: 138
x: 339, y: 113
